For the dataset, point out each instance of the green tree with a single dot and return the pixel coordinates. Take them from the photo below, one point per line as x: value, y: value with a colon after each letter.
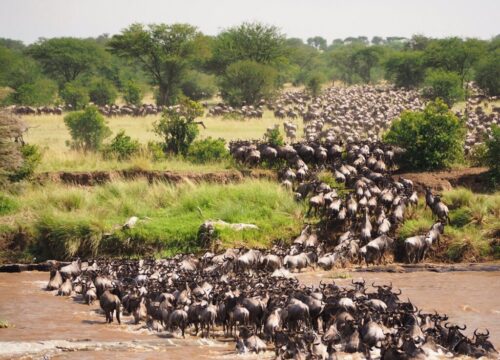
x: 444, y: 85
x: 313, y: 83
x: 318, y: 42
x: 247, y: 82
x: 488, y: 74
x: 365, y: 59
x: 178, y: 127
x: 75, y: 96
x: 493, y: 153
x: 197, y: 85
x: 40, y: 92
x: 87, y: 128
x: 405, y: 68
x: 65, y: 59
x: 164, y: 51
x: 102, y: 92
x: 132, y: 93
x: 432, y: 138
x: 249, y: 41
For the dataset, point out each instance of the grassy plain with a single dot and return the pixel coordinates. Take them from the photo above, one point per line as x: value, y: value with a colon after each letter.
x: 51, y: 134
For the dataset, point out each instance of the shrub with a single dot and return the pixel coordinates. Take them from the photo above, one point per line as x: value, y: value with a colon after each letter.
x: 177, y: 126
x: 75, y: 96
x: 197, y: 85
x: 132, y: 93
x: 445, y: 85
x: 102, y: 92
x: 460, y: 217
x: 32, y: 157
x: 313, y: 83
x: 274, y: 137
x: 206, y: 150
x: 488, y: 75
x: 247, y: 82
x: 88, y: 129
x: 122, y: 147
x: 40, y: 92
x: 433, y: 138
x: 11, y: 127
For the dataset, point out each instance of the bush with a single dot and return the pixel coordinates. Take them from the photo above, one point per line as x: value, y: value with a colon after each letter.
x: 75, y: 96
x: 177, y: 126
x: 405, y: 68
x: 102, y: 92
x: 433, y: 138
x: 493, y: 153
x: 313, y: 83
x: 206, y: 150
x: 122, y: 147
x: 88, y: 129
x: 247, y: 82
x: 32, y: 157
x: 445, y: 85
x: 197, y: 85
x: 41, y: 92
x: 488, y: 75
x: 132, y: 93
x: 274, y: 137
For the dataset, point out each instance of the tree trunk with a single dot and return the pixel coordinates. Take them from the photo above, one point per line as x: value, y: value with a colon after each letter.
x: 164, y: 93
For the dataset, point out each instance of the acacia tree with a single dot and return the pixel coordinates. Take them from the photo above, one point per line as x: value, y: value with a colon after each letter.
x: 65, y: 59
x: 164, y: 51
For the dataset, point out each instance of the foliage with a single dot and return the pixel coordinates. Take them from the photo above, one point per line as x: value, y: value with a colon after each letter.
x: 488, y: 74
x: 75, y: 96
x: 444, y: 85
x: 207, y: 150
x: 122, y: 147
x: 41, y: 92
x: 405, y: 68
x: 164, y: 52
x: 274, y: 137
x: 102, y: 92
x: 493, y: 153
x: 433, y: 138
x: 249, y: 41
x: 87, y: 128
x: 177, y: 126
x: 32, y: 157
x: 247, y: 82
x: 197, y: 85
x: 65, y: 59
x: 132, y: 93
x: 313, y: 83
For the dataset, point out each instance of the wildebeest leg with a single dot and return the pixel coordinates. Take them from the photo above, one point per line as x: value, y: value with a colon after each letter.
x: 118, y: 314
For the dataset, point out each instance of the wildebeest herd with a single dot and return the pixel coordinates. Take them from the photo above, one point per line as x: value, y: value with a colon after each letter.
x: 235, y: 294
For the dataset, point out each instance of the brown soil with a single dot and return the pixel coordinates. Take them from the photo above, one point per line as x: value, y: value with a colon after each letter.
x: 91, y: 178
x: 472, y: 178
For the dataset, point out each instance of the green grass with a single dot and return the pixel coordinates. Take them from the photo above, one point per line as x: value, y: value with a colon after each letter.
x: 64, y: 221
x: 50, y: 133
x: 474, y: 230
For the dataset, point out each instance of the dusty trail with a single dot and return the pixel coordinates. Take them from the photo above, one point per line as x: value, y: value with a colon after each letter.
x: 63, y: 328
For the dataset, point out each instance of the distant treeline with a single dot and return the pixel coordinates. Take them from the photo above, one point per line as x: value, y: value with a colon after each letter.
x: 243, y: 63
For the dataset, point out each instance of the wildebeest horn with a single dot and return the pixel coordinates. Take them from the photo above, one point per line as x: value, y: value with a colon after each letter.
x: 465, y: 327
x: 446, y: 325
x: 398, y: 293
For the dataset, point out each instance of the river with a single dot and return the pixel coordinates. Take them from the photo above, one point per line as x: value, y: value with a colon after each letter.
x: 62, y: 328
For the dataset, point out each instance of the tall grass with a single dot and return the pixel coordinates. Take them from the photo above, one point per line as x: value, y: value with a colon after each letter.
x: 65, y: 221
x: 474, y: 230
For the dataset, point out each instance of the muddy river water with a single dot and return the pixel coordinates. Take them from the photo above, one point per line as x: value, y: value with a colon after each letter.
x: 44, y: 326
